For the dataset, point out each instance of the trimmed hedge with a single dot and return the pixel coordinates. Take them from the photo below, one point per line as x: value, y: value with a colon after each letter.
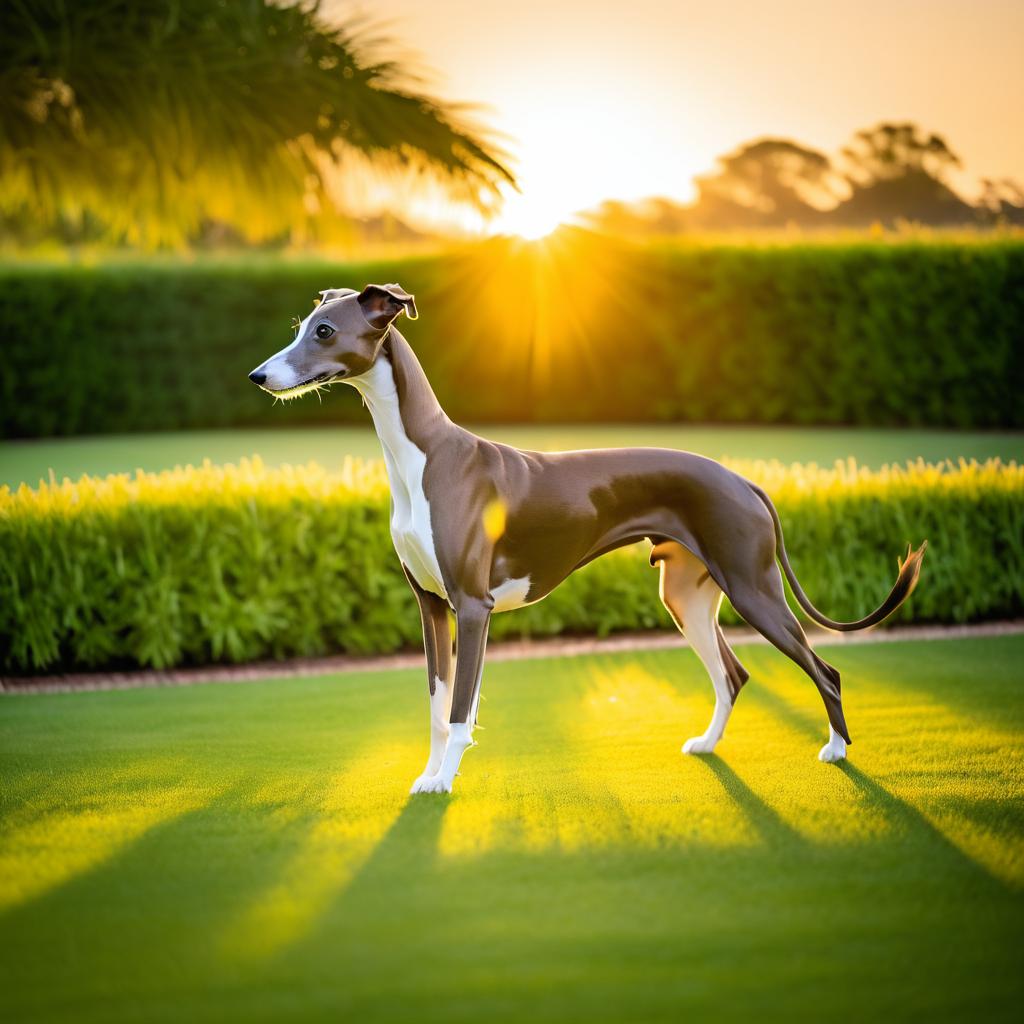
x: 237, y: 563
x: 578, y: 329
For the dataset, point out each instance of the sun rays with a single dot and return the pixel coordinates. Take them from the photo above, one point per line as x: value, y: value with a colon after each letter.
x: 578, y: 771
x: 615, y: 736
x: 345, y: 822
x: 51, y: 840
x: 539, y: 307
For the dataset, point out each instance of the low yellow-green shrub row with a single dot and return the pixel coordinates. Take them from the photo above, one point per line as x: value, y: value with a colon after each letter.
x: 232, y: 563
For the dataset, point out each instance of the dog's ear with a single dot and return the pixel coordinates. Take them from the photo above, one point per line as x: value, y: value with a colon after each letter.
x: 335, y: 293
x: 381, y: 303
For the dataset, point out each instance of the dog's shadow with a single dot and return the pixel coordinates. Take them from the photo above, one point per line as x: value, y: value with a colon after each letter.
x: 396, y: 866
x: 905, y: 819
x: 763, y: 818
x: 410, y: 843
x: 915, y: 828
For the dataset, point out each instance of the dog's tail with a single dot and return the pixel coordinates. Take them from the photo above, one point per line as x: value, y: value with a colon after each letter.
x: 909, y: 570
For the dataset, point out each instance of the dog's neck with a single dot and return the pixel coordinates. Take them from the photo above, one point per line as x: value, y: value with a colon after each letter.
x: 400, y: 398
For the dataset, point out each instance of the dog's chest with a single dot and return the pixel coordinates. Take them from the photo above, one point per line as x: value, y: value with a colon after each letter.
x: 413, y: 536
x: 411, y: 523
x: 412, y: 529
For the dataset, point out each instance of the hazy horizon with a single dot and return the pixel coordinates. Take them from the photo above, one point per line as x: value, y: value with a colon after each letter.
x: 592, y: 105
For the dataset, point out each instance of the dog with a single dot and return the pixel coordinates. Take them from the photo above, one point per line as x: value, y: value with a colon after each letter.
x: 482, y: 527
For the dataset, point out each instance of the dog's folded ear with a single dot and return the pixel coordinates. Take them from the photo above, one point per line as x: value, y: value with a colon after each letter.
x: 381, y: 303
x: 328, y: 294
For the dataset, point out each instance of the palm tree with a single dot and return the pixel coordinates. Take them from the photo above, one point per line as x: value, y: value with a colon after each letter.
x: 155, y: 116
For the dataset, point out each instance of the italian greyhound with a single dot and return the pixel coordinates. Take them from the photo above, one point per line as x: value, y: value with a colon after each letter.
x: 482, y: 527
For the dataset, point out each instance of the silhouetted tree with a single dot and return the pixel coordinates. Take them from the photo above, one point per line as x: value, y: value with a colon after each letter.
x: 890, y: 151
x: 1001, y: 202
x: 896, y: 171
x: 893, y: 172
x: 157, y: 116
x: 776, y: 180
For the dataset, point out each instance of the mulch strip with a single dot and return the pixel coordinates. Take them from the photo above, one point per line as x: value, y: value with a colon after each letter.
x: 508, y: 650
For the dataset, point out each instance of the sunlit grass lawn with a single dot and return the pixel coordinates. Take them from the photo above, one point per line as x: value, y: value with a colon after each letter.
x: 249, y: 853
x: 30, y: 461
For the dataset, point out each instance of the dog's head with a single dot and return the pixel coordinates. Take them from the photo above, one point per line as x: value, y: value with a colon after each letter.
x: 339, y: 341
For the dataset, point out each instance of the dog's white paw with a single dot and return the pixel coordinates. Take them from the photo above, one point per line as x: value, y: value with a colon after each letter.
x: 431, y: 784
x: 834, y: 750
x: 699, y: 745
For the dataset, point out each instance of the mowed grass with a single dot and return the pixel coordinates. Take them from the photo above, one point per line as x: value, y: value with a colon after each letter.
x: 249, y: 853
x: 30, y: 461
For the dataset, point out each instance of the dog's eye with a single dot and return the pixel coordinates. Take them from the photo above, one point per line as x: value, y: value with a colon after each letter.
x: 323, y: 331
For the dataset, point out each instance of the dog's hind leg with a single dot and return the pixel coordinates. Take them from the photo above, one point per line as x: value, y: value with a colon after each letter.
x: 764, y: 607
x: 693, y: 599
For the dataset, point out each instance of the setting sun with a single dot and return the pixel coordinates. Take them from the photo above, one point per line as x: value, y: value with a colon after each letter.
x: 569, y: 156
x: 632, y: 109
x: 530, y: 217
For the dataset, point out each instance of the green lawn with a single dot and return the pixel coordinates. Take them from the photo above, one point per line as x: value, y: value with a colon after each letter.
x: 29, y: 461
x: 248, y: 853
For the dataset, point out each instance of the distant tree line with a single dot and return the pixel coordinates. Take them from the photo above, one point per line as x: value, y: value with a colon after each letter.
x: 887, y: 174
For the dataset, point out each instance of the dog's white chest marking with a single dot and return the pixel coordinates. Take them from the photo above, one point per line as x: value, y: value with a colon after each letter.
x: 411, y: 529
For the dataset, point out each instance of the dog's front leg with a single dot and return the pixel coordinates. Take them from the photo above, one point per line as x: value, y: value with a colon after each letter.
x: 437, y: 645
x: 472, y: 618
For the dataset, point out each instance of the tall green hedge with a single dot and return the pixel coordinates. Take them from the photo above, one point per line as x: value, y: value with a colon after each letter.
x: 574, y: 329
x: 233, y: 564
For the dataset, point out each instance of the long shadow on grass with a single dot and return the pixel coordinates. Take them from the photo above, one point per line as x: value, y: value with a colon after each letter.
x: 987, y: 693
x: 145, y: 923
x: 377, y: 906
x: 641, y: 927
x: 903, y: 817
x: 645, y: 931
x: 763, y: 818
x: 912, y: 823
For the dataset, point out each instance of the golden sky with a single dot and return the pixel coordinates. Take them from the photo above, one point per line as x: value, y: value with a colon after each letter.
x: 633, y: 98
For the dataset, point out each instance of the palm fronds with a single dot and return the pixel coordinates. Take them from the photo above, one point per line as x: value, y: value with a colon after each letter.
x: 157, y: 115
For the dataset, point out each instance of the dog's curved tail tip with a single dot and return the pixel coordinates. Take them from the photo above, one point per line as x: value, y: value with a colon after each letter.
x: 906, y: 580
x: 910, y: 566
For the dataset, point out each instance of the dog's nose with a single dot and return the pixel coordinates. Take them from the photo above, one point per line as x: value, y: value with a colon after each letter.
x: 257, y: 377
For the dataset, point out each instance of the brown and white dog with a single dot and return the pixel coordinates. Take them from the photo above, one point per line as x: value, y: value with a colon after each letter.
x: 481, y: 527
